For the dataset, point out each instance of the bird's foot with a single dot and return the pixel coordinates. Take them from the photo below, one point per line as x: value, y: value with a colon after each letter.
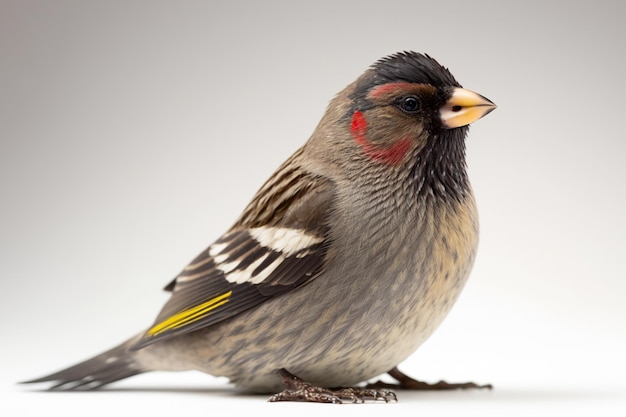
x: 297, y: 389
x: 407, y: 383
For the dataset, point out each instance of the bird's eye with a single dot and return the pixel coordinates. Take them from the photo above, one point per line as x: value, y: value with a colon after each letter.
x: 409, y: 104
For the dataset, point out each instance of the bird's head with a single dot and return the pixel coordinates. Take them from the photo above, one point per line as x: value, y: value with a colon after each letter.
x: 406, y: 110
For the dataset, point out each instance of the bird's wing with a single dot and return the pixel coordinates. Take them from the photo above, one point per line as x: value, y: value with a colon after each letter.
x: 278, y: 244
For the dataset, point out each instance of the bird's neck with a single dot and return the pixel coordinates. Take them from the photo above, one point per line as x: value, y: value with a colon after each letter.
x: 439, y: 169
x: 435, y: 174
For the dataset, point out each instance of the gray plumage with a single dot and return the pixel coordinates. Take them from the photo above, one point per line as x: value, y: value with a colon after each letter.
x: 345, y: 261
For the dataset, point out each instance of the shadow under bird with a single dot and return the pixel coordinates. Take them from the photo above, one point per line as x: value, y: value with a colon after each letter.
x: 345, y: 261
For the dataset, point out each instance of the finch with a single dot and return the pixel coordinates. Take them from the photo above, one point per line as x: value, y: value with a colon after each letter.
x: 345, y: 261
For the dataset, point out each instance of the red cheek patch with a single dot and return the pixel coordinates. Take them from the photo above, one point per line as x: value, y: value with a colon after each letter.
x: 391, y: 155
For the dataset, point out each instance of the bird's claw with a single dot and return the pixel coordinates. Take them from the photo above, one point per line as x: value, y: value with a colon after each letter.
x: 297, y: 389
x: 405, y: 382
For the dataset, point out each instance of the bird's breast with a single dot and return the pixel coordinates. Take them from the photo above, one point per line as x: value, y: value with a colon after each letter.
x: 385, y: 293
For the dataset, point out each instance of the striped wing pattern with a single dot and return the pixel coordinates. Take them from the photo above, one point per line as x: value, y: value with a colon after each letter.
x: 265, y: 254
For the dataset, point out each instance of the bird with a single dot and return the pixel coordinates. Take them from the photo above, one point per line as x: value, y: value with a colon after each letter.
x: 344, y: 262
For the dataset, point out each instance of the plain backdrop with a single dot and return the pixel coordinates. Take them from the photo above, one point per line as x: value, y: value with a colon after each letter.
x: 132, y: 134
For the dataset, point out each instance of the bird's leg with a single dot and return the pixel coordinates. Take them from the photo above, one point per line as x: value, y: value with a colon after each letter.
x: 297, y: 389
x: 408, y: 383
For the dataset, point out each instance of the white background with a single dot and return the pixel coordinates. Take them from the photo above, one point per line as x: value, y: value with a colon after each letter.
x: 133, y: 133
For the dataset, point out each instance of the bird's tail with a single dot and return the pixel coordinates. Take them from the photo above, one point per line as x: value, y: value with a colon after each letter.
x: 110, y: 366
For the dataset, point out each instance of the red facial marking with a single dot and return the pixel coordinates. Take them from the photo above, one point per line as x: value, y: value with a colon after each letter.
x: 385, y: 89
x: 391, y: 155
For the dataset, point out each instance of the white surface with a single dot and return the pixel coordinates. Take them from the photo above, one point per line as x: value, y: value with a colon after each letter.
x: 133, y: 133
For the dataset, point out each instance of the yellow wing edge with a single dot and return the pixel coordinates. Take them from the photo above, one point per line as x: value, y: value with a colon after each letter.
x: 190, y: 315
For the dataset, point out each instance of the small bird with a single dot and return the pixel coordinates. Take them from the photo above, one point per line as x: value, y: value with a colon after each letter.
x: 345, y: 261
